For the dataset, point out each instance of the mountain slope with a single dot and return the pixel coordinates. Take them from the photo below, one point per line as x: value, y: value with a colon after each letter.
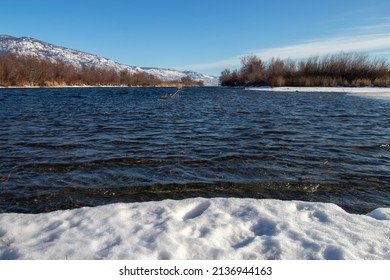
x: 26, y: 46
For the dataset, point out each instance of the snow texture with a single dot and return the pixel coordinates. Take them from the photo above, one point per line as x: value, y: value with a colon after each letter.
x: 382, y: 93
x: 26, y: 46
x: 198, y: 228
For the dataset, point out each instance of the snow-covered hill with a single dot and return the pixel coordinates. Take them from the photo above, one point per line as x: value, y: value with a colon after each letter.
x: 26, y: 46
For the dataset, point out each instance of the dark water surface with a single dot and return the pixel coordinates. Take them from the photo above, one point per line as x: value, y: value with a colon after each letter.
x: 66, y: 148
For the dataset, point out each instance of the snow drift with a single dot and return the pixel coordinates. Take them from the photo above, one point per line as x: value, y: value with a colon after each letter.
x: 198, y: 228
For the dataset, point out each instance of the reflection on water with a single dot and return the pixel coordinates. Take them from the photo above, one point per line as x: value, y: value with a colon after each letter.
x: 65, y: 148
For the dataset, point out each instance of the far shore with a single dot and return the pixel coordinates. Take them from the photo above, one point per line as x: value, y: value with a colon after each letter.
x: 378, y: 91
x: 85, y: 86
x: 361, y: 90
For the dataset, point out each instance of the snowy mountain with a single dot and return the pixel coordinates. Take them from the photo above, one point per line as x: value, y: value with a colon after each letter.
x: 26, y: 46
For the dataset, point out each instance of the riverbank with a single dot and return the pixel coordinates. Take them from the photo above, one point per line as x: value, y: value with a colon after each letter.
x: 61, y: 86
x: 323, y: 89
x: 369, y: 92
x: 361, y: 90
x: 198, y: 228
x: 164, y: 85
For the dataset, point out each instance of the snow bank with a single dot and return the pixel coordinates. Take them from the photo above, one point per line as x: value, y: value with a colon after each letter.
x: 368, y: 92
x: 198, y: 228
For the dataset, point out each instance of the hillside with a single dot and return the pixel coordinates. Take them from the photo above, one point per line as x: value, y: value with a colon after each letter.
x: 30, y: 47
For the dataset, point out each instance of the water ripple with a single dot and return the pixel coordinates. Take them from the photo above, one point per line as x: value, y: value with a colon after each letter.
x: 65, y: 148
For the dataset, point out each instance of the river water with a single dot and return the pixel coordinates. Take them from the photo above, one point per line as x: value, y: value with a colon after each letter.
x: 73, y: 147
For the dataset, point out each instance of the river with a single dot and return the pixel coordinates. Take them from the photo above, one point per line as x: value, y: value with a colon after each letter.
x: 70, y: 147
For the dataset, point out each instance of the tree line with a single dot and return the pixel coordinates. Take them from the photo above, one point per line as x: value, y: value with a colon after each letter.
x: 30, y: 71
x: 343, y: 69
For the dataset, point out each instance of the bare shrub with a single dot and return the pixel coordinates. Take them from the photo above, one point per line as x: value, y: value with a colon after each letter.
x: 343, y: 69
x: 26, y: 70
x: 231, y: 79
x: 253, y: 71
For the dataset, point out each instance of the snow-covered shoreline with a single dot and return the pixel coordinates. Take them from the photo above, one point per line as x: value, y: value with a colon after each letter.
x: 198, y: 228
x: 368, y: 92
x: 351, y: 90
x: 323, y: 89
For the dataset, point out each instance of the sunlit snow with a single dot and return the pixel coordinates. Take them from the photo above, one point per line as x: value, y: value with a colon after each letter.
x: 198, y: 228
x: 365, y: 92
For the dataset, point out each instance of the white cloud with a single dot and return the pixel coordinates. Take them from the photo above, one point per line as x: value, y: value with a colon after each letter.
x: 328, y: 46
x: 222, y: 64
x: 363, y: 39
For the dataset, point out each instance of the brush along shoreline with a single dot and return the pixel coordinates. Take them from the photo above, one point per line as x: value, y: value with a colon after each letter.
x: 265, y: 88
x: 177, y: 85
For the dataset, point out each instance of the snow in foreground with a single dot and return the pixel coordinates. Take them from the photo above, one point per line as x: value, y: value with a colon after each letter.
x: 198, y: 228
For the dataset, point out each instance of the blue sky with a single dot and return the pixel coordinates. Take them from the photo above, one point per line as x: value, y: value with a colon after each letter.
x: 206, y: 36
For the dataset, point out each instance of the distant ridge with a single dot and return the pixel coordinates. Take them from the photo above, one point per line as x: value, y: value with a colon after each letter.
x: 26, y: 46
